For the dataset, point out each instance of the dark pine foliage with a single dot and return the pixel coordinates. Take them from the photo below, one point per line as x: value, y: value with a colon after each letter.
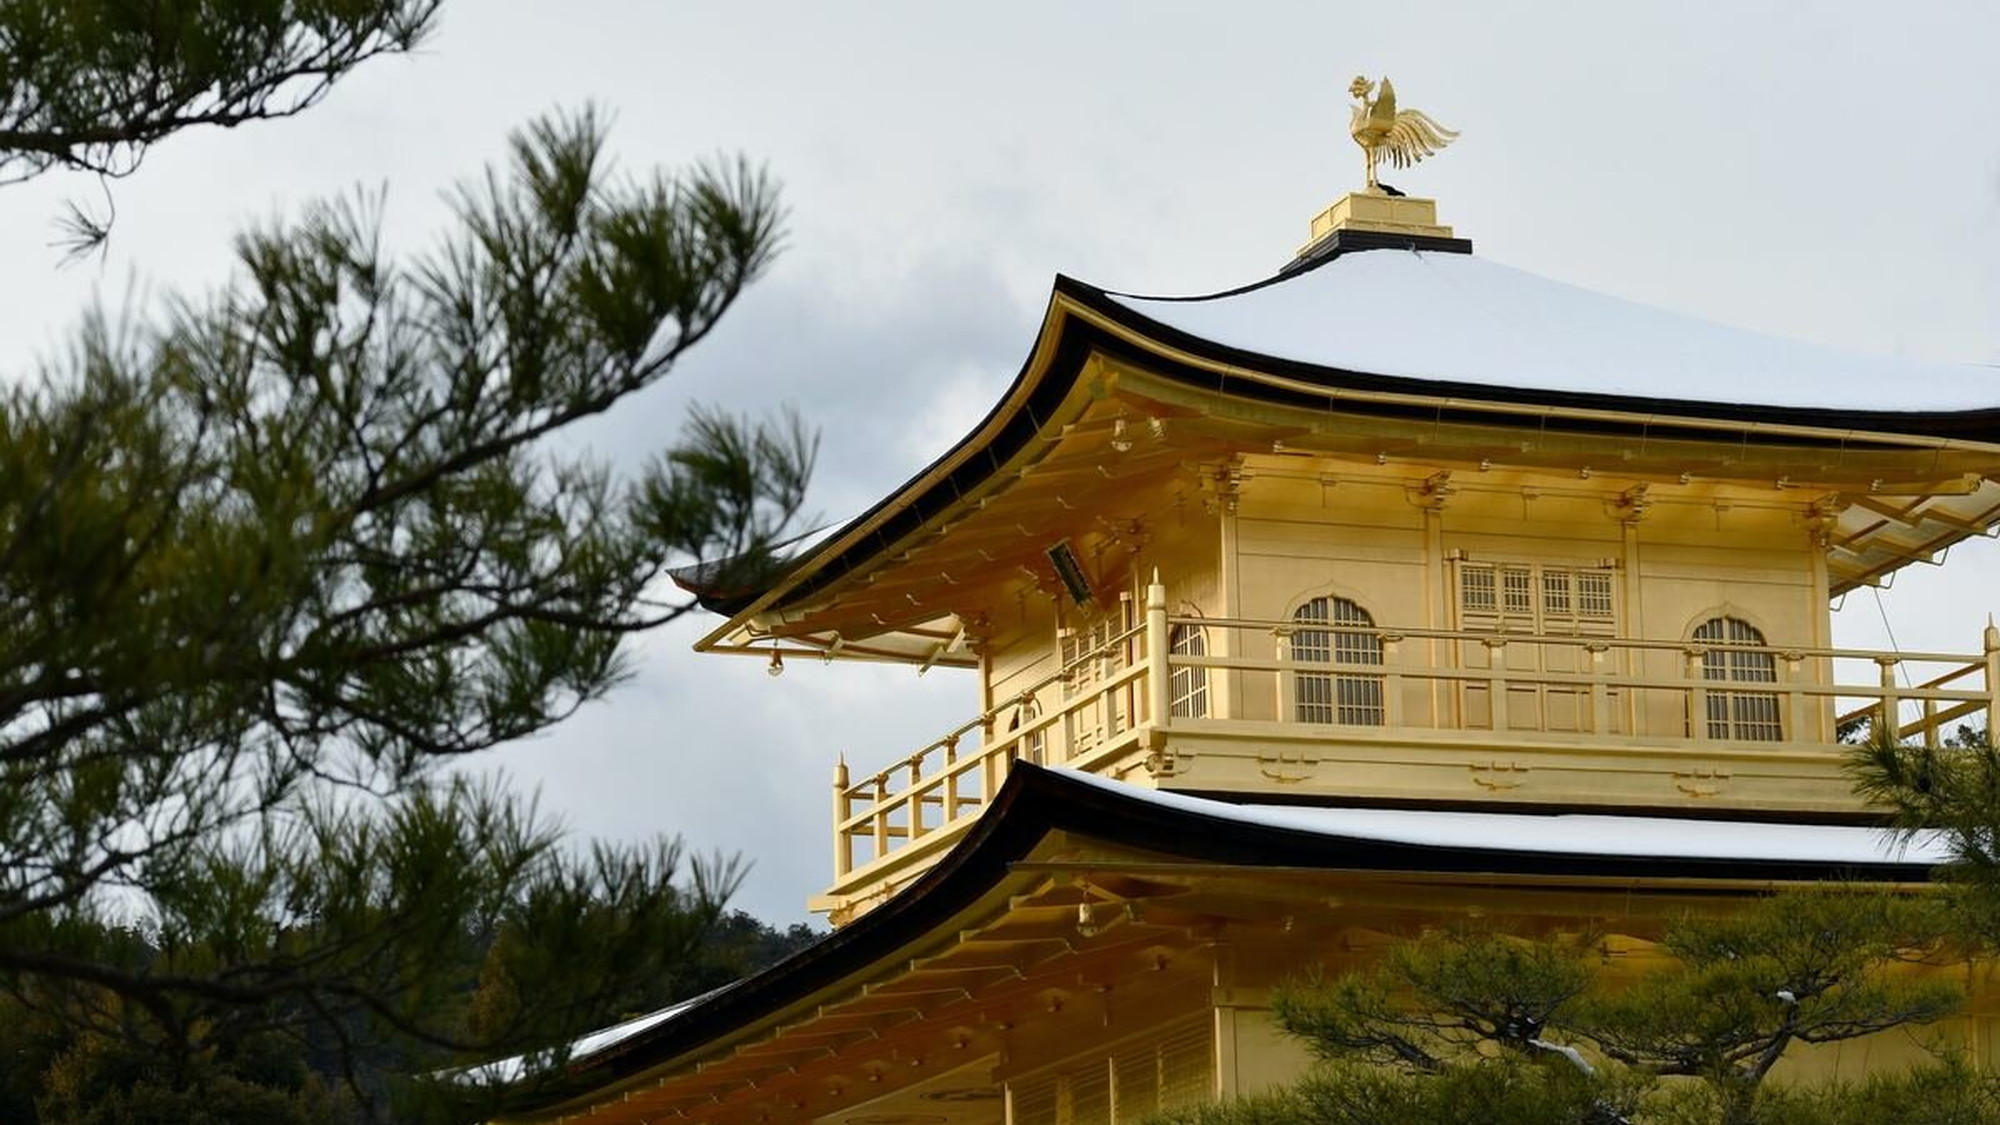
x: 1481, y: 1026
x: 92, y: 85
x: 55, y: 1072
x: 275, y: 560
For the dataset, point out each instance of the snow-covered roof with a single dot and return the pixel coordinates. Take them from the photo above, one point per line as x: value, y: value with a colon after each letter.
x: 504, y: 1071
x: 1568, y: 834
x: 1459, y: 318
x: 1036, y: 800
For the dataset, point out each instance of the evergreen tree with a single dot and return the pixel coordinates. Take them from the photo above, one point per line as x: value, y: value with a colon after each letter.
x: 57, y: 1069
x: 1480, y: 1026
x: 91, y: 85
x: 1952, y: 790
x: 272, y: 560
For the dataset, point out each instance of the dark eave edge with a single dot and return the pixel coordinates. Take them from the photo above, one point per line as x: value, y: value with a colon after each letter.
x: 1037, y: 801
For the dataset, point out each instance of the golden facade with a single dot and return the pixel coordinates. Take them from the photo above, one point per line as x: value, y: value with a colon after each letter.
x: 1285, y: 649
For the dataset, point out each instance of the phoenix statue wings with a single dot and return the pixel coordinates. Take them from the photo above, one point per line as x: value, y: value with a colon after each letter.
x: 1402, y: 137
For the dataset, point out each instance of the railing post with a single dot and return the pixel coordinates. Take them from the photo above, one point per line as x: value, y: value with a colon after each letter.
x: 986, y: 756
x: 914, y: 797
x: 1496, y: 662
x: 993, y: 767
x: 1600, y: 697
x: 1392, y: 680
x: 843, y: 807
x: 1892, y: 701
x: 1287, y: 679
x: 951, y: 779
x: 1992, y: 682
x: 1800, y: 704
x: 881, y: 815
x: 1697, y: 697
x: 1158, y: 639
x: 1107, y: 700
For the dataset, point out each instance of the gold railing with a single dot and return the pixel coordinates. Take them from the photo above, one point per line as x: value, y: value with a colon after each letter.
x: 1642, y: 689
x: 1117, y: 700
x: 1073, y: 716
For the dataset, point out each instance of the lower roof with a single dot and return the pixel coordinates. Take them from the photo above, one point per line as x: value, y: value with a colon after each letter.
x: 1036, y: 801
x: 1526, y: 842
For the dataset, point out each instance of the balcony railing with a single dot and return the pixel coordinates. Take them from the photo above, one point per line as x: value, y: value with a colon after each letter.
x: 1111, y: 705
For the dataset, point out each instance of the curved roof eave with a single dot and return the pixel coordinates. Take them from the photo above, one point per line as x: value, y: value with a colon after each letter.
x: 1036, y: 801
x: 1082, y: 317
x: 1008, y: 426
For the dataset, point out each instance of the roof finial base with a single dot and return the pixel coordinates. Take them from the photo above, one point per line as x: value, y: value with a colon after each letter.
x: 1377, y: 210
x: 1375, y: 219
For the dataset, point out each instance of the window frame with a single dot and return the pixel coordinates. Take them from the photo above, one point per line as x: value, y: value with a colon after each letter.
x: 1537, y: 597
x: 1338, y: 697
x: 1187, y: 687
x: 1734, y: 714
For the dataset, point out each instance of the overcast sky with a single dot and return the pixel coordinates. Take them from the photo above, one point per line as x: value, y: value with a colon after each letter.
x: 1815, y: 170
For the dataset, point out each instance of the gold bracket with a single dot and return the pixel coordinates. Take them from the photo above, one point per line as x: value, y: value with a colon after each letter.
x: 1701, y: 782
x: 1499, y: 776
x: 1433, y: 492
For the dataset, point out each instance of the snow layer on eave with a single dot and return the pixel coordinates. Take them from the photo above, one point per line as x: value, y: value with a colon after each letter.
x: 1568, y: 834
x: 503, y: 1071
x: 1460, y: 318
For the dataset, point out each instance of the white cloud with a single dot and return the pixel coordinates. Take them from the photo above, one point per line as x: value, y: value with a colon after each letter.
x: 1817, y: 171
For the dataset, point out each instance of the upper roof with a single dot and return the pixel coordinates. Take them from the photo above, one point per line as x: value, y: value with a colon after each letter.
x: 1459, y: 318
x: 1382, y: 337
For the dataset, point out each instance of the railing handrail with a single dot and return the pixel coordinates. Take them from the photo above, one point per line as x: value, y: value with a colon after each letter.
x: 1555, y: 678
x: 963, y: 765
x: 870, y: 784
x: 980, y: 721
x: 1125, y: 708
x: 1688, y: 645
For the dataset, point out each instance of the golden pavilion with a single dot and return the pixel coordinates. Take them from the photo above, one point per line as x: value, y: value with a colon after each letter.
x: 1397, y: 587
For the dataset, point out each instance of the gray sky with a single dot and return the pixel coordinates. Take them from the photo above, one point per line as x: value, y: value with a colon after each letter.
x: 1815, y: 170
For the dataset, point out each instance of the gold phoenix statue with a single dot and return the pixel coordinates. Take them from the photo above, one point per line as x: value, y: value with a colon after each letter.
x: 1404, y: 137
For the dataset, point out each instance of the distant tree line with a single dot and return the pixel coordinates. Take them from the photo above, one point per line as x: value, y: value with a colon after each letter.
x: 63, y: 1065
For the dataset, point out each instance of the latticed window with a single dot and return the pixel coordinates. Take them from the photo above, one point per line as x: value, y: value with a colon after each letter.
x: 1350, y: 698
x: 1476, y: 590
x: 1187, y: 688
x: 1035, y: 743
x: 1535, y: 598
x: 1086, y: 1096
x: 1142, y: 1079
x: 1087, y: 646
x: 1593, y: 595
x: 1175, y: 1071
x: 1091, y: 654
x: 1747, y: 716
x: 1035, y: 1103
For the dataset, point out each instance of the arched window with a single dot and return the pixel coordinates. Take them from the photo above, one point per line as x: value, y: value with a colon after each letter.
x: 1349, y: 698
x: 1744, y: 716
x: 1187, y: 688
x: 1033, y: 745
